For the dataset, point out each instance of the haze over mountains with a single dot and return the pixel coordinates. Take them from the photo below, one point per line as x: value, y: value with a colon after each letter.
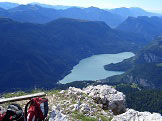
x: 58, y: 7
x: 8, y: 5
x: 42, y: 13
x: 37, y: 14
x: 150, y: 27
x: 134, y: 12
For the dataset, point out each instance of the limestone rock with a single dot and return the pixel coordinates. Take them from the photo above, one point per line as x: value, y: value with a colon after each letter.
x: 94, y: 101
x: 62, y: 92
x: 85, y: 108
x: 132, y: 115
x: 56, y: 115
x: 74, y: 91
x: 108, y: 97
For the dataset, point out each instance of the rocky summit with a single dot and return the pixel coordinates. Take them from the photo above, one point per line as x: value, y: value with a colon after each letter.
x: 95, y: 103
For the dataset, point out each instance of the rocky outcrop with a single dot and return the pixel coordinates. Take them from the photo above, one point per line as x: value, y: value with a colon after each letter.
x: 107, y: 96
x: 151, y: 58
x: 56, y: 115
x: 132, y: 115
x: 138, y: 80
x: 97, y: 103
x: 93, y: 102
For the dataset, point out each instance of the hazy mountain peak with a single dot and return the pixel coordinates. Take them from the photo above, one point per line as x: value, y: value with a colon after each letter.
x: 137, y: 8
x: 74, y: 8
x: 59, y: 7
x: 8, y: 5
x: 26, y: 7
x: 2, y: 9
x: 133, y: 11
x: 95, y: 9
x: 92, y: 7
x: 143, y: 25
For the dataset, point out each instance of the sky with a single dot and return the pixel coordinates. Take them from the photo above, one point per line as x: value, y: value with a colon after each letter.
x: 151, y: 5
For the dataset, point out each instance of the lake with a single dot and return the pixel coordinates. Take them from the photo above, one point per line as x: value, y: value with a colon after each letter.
x: 92, y: 68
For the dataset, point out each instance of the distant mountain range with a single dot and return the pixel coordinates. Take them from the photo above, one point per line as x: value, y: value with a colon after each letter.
x: 144, y: 69
x: 8, y: 5
x: 37, y: 14
x: 43, y: 13
x: 58, y: 7
x: 133, y: 12
x: 150, y: 27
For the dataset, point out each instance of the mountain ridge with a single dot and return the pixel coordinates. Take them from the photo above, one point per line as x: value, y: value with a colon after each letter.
x: 37, y: 14
x: 8, y: 5
x: 142, y: 25
x: 133, y: 12
x: 143, y: 69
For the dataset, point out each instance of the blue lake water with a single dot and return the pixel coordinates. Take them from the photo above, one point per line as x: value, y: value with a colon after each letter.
x: 92, y: 68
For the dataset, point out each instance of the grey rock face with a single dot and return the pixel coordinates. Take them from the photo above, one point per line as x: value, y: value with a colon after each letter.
x: 151, y: 57
x: 108, y: 97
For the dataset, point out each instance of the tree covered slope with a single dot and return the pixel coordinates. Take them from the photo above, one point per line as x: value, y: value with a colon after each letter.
x: 39, y: 55
x: 149, y: 27
x: 145, y: 68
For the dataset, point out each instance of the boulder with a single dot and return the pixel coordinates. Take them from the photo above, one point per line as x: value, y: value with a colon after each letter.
x: 109, y: 97
x: 132, y: 115
x: 74, y: 91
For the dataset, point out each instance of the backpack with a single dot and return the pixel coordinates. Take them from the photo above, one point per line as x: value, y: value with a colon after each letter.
x: 14, y: 113
x: 36, y: 109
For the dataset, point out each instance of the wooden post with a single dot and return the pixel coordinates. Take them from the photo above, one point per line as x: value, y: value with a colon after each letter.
x: 26, y: 97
